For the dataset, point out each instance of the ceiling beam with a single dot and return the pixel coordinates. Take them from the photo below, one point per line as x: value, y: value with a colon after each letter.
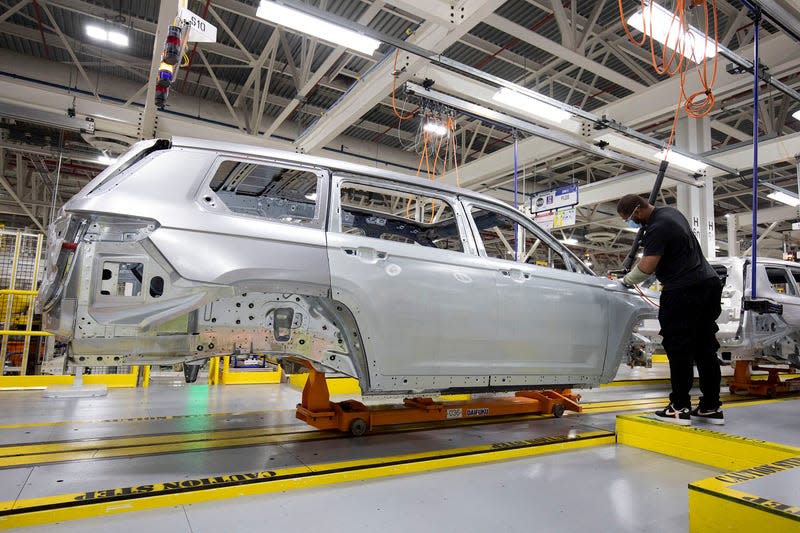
x: 551, y: 47
x: 378, y: 83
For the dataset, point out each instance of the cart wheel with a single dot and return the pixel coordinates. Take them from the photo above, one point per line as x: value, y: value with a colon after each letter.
x: 732, y: 389
x: 358, y: 427
x: 558, y: 410
x: 771, y: 392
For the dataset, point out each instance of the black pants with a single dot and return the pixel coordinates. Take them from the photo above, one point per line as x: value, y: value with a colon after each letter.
x: 688, y: 325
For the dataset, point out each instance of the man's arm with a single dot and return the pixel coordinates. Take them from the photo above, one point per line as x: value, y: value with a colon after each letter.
x: 649, y: 263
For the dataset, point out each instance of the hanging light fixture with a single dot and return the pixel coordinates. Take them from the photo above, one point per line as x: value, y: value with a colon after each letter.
x: 114, y: 37
x: 316, y: 27
x: 434, y: 127
x: 531, y: 106
x: 665, y: 27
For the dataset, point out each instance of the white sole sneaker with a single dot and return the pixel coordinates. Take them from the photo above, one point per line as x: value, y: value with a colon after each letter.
x: 674, y: 420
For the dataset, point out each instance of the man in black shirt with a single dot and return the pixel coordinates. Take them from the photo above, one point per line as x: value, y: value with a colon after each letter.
x: 689, y: 306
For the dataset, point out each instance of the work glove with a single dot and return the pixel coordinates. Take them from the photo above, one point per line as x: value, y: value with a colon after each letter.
x: 634, y: 277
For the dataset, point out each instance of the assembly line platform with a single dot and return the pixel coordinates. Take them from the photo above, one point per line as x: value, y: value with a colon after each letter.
x: 213, y: 453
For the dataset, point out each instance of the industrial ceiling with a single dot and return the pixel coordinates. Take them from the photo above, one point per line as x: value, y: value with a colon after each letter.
x: 267, y: 85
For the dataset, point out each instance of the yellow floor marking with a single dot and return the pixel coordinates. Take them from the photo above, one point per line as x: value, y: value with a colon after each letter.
x: 126, y: 499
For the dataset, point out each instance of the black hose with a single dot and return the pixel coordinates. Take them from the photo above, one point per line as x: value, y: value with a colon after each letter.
x: 628, y: 263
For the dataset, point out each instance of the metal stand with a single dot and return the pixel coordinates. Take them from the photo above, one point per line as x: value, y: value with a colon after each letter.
x: 770, y: 387
x: 352, y: 416
x: 77, y: 390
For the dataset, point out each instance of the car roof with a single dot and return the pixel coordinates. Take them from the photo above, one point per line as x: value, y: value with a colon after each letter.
x: 332, y: 164
x: 759, y: 260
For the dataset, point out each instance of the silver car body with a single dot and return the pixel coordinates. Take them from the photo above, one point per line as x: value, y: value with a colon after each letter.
x: 161, y: 260
x: 757, y: 334
x: 756, y: 331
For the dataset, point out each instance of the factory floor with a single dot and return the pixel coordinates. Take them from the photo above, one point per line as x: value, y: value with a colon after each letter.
x: 610, y: 487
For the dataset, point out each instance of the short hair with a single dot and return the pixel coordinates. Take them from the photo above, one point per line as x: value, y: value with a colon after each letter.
x: 628, y: 203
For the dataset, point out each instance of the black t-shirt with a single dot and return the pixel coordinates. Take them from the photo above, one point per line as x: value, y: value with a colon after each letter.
x: 667, y: 233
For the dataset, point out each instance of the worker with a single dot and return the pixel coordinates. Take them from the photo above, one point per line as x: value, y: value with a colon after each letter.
x: 689, y: 306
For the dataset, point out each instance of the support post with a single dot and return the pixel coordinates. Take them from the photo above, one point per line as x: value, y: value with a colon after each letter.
x: 697, y: 203
x: 733, y: 244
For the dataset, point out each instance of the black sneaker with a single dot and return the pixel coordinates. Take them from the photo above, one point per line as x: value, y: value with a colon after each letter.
x: 710, y: 416
x: 681, y: 416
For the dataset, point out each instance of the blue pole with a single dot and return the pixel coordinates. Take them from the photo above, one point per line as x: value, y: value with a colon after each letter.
x: 756, y: 83
x: 517, y: 232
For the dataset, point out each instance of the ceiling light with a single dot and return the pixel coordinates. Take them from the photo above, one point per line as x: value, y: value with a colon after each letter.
x: 322, y: 29
x: 312, y: 196
x: 680, y: 160
x: 665, y: 27
x: 114, y: 37
x: 531, y: 106
x: 630, y: 229
x: 435, y: 127
x: 117, y: 38
x: 570, y: 241
x: 97, y: 33
x: 796, y: 114
x: 784, y: 198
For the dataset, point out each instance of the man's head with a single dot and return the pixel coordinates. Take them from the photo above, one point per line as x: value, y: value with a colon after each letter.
x: 634, y: 208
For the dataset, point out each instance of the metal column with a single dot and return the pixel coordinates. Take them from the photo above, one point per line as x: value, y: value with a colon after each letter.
x: 733, y: 243
x: 697, y: 203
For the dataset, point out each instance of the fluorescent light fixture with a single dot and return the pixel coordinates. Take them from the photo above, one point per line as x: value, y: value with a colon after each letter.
x: 97, y: 33
x: 796, y: 114
x: 680, y: 160
x: 570, y: 241
x: 117, y: 38
x: 784, y: 198
x: 666, y: 28
x: 113, y: 37
x: 630, y: 229
x: 106, y: 160
x: 322, y: 29
x: 624, y: 144
x: 435, y: 128
x: 530, y: 105
x: 312, y: 196
x: 621, y: 143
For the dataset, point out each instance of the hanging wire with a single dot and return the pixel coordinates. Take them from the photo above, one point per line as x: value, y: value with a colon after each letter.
x: 672, y: 61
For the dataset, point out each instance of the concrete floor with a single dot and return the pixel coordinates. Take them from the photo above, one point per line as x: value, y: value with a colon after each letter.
x: 608, y: 488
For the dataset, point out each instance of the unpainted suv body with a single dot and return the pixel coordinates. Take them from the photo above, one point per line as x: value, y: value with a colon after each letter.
x: 186, y: 249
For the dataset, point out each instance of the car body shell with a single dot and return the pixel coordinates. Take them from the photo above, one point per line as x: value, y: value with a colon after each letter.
x: 397, y: 316
x: 767, y: 331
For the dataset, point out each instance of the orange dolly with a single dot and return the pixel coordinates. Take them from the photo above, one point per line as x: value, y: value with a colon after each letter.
x: 770, y: 387
x: 352, y: 416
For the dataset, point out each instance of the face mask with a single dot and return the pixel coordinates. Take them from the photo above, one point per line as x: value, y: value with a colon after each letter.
x: 633, y: 224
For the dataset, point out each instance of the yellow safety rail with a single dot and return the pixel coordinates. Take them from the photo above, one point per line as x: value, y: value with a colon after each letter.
x: 20, y: 257
x: 42, y: 382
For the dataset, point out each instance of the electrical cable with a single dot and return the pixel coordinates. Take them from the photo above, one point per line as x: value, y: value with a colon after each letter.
x: 394, y: 90
x: 673, y: 61
x: 645, y: 297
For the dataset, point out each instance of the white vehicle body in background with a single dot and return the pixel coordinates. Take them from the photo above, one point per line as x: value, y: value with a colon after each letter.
x: 187, y: 249
x: 765, y: 329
